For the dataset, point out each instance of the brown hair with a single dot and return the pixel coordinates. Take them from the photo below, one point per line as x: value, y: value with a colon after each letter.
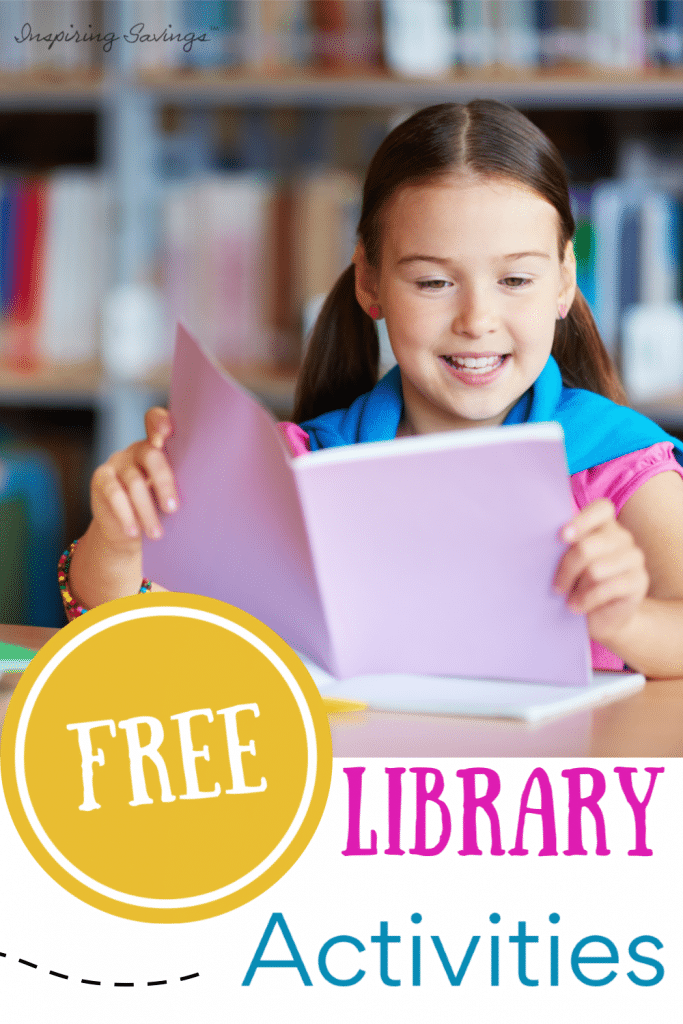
x: 490, y: 139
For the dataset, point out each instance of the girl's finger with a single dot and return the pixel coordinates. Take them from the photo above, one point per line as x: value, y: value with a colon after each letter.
x: 590, y: 518
x: 628, y: 586
x: 602, y: 543
x: 140, y: 498
x: 158, y: 426
x: 625, y: 564
x: 159, y: 477
x: 110, y: 504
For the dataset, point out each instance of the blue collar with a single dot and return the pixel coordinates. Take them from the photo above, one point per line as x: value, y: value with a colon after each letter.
x: 596, y: 430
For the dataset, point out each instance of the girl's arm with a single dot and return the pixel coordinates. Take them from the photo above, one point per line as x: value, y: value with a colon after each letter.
x: 627, y: 575
x: 125, y: 493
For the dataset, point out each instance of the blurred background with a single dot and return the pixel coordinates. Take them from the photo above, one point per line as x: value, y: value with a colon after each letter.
x: 202, y: 160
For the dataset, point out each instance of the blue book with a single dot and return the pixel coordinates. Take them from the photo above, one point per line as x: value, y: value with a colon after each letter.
x: 668, y: 32
x: 629, y: 278
x: 8, y: 244
x: 217, y: 20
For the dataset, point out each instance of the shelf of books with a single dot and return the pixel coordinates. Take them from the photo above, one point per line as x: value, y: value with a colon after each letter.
x: 266, y: 113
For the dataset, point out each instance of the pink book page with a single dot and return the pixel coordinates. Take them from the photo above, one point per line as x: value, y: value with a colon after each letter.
x: 238, y: 534
x: 436, y: 555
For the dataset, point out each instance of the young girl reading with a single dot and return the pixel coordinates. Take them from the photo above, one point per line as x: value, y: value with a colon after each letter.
x: 465, y: 249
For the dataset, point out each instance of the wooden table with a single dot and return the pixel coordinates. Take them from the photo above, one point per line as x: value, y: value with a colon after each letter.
x: 648, y: 724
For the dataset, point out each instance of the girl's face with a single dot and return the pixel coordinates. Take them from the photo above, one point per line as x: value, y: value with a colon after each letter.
x: 470, y: 284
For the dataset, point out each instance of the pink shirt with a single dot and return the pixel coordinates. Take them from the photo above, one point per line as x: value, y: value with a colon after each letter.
x: 616, y: 480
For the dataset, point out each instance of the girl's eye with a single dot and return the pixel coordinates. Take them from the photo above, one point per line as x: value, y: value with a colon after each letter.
x: 516, y: 282
x: 435, y: 285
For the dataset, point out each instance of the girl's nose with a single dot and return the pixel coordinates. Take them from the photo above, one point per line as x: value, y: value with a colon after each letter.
x: 475, y: 315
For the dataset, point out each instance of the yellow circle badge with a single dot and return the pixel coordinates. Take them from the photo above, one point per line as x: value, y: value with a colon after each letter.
x: 166, y: 757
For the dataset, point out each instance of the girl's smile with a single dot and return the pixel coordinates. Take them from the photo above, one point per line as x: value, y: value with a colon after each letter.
x: 476, y: 368
x: 469, y: 285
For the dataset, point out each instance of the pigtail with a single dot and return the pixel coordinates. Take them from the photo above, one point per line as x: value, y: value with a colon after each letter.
x: 342, y: 358
x: 581, y: 355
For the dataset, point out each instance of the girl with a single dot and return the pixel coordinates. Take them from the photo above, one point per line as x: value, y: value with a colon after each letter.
x: 465, y: 249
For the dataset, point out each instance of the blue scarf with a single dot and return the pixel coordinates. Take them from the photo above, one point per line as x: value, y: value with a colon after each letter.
x: 595, y: 429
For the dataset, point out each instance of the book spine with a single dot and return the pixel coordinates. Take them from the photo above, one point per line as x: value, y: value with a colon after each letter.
x: 76, y: 270
x: 659, y: 248
x: 418, y: 38
x: 584, y: 244
x: 616, y: 33
x: 208, y: 18
x: 20, y: 351
x: 7, y: 233
x: 476, y: 41
x: 517, y: 39
x: 607, y: 213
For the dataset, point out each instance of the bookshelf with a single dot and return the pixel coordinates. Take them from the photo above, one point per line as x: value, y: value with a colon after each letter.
x: 574, y: 88
x: 130, y: 103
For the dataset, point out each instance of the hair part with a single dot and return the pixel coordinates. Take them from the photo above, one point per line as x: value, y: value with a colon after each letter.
x: 490, y: 140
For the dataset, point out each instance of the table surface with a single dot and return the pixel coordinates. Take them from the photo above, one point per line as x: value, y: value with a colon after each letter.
x: 648, y: 724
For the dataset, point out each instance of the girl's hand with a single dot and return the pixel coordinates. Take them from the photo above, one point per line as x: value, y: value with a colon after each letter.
x: 603, y: 573
x: 129, y: 487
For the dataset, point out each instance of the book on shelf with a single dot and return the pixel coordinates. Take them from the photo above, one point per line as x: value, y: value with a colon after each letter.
x: 616, y: 34
x: 219, y: 257
x: 628, y: 247
x: 325, y: 217
x: 22, y: 247
x: 418, y: 40
x: 473, y: 37
x: 346, y: 34
x: 275, y: 35
x: 562, y: 28
x: 517, y: 34
x: 319, y: 546
x: 637, y: 255
x: 21, y: 325
x: 244, y: 253
x: 54, y: 256
x: 584, y: 242
x: 664, y: 25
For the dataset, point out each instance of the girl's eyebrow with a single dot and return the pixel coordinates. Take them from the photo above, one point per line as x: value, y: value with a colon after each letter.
x: 521, y: 255
x: 445, y: 262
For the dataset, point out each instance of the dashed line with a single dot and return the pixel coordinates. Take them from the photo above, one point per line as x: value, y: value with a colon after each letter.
x: 93, y: 981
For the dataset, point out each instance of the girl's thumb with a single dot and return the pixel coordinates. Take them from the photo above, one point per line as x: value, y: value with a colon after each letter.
x: 158, y: 426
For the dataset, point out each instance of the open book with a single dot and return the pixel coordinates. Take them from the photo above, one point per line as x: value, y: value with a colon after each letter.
x: 422, y: 556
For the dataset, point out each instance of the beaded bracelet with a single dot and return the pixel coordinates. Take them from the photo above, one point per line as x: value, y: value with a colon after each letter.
x: 72, y: 609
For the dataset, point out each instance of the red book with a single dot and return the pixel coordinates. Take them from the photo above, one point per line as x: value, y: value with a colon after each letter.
x: 21, y: 352
x: 346, y: 34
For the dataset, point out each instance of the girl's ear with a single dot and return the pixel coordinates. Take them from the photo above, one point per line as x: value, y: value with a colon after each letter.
x: 568, y: 276
x: 366, y: 280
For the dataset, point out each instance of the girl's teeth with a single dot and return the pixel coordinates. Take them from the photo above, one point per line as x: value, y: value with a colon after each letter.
x: 481, y: 364
x: 482, y: 361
